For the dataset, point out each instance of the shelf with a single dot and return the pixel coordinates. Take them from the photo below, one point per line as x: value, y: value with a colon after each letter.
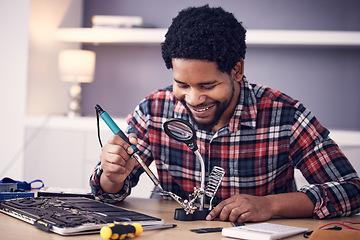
x: 112, y: 35
x: 253, y: 37
x: 303, y: 38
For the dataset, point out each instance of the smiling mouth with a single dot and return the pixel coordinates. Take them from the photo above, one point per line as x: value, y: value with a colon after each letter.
x: 201, y: 112
x: 202, y: 109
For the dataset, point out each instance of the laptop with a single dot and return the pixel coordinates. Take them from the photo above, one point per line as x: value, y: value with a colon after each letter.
x: 72, y: 215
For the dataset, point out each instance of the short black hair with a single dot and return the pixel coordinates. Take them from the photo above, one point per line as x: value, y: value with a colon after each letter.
x: 204, y: 33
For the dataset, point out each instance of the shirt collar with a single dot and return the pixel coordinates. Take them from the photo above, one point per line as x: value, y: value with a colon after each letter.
x: 246, y: 111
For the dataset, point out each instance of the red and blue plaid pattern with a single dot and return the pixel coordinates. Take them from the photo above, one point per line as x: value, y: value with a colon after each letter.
x: 268, y: 136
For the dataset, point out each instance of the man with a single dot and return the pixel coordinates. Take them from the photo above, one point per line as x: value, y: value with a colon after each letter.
x: 256, y: 134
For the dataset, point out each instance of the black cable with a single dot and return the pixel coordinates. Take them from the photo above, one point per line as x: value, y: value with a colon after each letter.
x: 98, y: 127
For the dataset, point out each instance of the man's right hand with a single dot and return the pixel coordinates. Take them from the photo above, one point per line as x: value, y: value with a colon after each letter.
x: 116, y: 163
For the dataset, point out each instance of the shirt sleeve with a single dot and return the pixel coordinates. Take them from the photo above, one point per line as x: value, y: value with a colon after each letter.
x: 334, y: 186
x: 99, y: 192
x: 136, y: 124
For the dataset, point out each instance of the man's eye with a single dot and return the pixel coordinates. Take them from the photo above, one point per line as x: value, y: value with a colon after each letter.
x: 182, y: 86
x: 208, y: 87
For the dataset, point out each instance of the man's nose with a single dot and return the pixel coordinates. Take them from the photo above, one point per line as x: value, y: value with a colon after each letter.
x: 194, y: 98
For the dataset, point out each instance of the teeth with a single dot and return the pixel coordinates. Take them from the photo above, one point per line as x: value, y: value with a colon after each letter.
x: 204, y: 109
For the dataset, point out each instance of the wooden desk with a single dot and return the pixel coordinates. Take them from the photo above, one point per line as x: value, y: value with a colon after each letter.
x: 14, y: 229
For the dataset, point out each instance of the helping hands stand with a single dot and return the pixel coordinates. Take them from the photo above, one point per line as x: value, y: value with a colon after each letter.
x: 182, y: 131
x: 198, y: 214
x: 189, y: 211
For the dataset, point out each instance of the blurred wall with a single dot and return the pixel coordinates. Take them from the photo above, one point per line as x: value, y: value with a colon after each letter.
x: 46, y: 94
x: 325, y: 79
x: 13, y: 82
x: 29, y: 81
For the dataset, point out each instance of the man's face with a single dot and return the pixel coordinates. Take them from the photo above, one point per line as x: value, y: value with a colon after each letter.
x: 209, y: 95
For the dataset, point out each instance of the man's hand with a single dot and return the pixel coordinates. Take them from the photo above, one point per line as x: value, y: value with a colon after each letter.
x: 116, y: 163
x: 246, y: 208
x: 243, y: 208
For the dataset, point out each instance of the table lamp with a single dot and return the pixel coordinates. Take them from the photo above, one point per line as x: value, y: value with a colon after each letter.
x: 76, y: 66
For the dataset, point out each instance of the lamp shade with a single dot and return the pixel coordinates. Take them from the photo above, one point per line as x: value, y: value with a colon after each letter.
x: 77, y: 66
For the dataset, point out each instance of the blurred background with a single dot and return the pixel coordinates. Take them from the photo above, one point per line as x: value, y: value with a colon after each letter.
x: 39, y: 140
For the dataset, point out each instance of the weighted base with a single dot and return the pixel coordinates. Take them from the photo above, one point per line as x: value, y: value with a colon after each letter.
x: 181, y: 215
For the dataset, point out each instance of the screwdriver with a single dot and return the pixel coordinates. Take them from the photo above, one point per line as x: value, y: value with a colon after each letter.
x: 117, y: 131
x: 121, y: 231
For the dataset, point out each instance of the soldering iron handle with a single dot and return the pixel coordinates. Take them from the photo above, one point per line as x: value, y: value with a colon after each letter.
x: 112, y: 125
x: 126, y: 139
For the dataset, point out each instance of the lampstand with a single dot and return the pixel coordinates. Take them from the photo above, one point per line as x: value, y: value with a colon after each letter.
x: 76, y: 66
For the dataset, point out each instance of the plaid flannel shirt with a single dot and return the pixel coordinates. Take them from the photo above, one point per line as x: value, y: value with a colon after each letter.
x: 268, y: 136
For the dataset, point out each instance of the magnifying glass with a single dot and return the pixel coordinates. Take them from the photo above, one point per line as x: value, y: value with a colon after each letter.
x: 182, y: 131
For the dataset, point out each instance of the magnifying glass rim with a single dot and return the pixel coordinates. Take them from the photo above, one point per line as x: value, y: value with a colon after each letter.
x: 169, y: 133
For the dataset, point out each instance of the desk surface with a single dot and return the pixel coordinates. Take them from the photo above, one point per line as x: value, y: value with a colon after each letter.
x: 13, y: 228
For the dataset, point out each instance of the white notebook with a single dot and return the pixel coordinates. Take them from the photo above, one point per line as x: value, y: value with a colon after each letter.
x: 262, y: 231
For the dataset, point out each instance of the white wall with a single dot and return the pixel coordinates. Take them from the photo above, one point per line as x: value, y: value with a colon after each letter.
x: 28, y: 76
x: 14, y: 17
x: 46, y: 93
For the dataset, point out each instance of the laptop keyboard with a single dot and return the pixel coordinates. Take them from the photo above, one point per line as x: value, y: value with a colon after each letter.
x: 70, y: 212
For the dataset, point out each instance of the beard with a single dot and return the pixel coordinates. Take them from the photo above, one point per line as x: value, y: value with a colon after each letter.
x: 221, y: 107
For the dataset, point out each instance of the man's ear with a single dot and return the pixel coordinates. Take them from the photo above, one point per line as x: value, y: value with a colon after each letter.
x: 238, y: 71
